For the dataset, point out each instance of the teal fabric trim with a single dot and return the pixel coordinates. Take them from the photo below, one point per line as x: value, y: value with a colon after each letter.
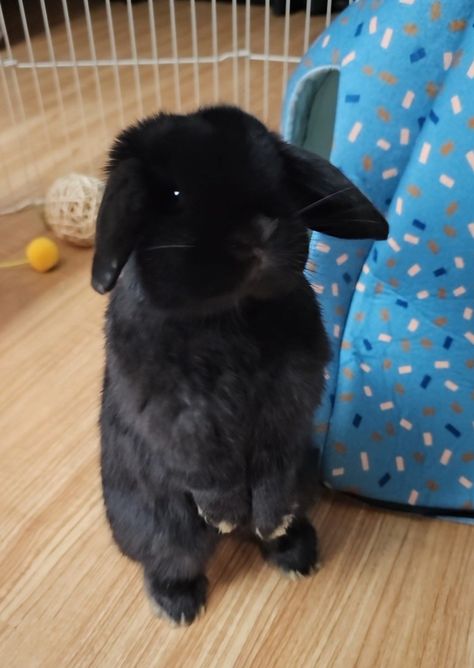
x: 322, y: 104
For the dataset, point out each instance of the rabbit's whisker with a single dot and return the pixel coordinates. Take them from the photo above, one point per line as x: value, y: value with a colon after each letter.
x: 313, y: 205
x: 355, y: 220
x: 150, y: 248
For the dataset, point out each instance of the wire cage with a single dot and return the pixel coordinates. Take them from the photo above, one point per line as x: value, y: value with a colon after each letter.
x: 73, y: 72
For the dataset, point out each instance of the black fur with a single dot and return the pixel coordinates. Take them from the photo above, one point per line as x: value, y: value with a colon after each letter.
x: 215, y: 344
x: 297, y: 551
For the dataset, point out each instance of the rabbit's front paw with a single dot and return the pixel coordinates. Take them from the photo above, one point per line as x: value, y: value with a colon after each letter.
x: 274, y: 533
x: 223, y: 509
x: 296, y: 553
x: 222, y: 526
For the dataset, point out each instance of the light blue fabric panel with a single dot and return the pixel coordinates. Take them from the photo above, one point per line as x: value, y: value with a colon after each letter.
x: 402, y: 427
x: 391, y: 58
x: 401, y: 63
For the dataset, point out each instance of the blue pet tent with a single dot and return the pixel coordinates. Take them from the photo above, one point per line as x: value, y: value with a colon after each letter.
x: 387, y: 94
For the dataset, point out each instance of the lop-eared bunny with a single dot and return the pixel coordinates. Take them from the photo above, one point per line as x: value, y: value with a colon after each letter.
x: 215, y: 346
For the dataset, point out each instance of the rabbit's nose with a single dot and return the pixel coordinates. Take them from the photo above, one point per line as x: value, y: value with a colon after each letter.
x: 266, y: 227
x: 246, y: 250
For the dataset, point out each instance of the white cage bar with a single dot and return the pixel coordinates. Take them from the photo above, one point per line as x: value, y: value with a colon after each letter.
x: 71, y: 80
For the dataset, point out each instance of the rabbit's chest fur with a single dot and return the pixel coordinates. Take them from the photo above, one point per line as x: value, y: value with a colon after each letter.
x: 199, y: 395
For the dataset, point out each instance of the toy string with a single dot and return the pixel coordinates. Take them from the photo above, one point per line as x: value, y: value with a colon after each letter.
x: 12, y: 263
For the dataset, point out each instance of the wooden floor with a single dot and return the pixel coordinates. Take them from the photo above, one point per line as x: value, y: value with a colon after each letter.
x: 393, y: 592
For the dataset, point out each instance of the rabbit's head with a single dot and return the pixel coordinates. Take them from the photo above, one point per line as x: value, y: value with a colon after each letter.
x: 212, y: 207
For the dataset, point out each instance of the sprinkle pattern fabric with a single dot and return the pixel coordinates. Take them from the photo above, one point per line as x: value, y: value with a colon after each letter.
x: 397, y: 423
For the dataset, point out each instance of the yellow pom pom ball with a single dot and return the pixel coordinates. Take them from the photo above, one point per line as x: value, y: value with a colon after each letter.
x: 42, y: 254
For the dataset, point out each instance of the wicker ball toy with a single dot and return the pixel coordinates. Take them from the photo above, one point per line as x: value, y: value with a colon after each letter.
x: 71, y: 206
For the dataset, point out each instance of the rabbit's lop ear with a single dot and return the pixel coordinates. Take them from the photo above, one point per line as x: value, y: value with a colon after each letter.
x: 118, y: 222
x: 327, y: 201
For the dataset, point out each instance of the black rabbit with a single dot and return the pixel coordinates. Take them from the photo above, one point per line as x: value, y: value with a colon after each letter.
x: 215, y: 347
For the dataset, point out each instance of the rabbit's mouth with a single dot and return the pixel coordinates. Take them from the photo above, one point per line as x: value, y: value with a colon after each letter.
x: 266, y: 280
